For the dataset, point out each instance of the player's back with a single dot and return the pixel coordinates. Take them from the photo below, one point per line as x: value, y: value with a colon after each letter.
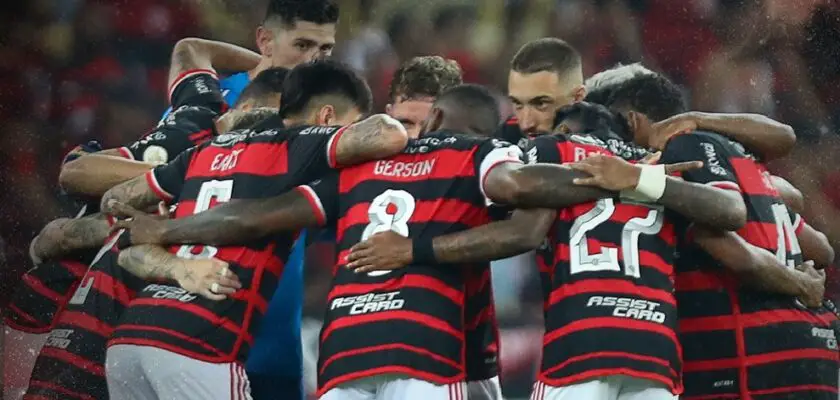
x: 609, y: 303
x: 724, y: 325
x: 260, y: 162
x: 412, y: 320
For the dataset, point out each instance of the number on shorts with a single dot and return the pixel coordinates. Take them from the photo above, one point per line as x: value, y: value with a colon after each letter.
x: 606, y: 259
x: 784, y: 229
x: 220, y: 191
x: 390, y: 211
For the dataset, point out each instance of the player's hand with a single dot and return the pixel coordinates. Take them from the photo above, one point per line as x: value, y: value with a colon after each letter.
x: 666, y: 129
x: 383, y: 251
x: 814, y: 285
x: 608, y: 172
x: 209, y: 278
x: 141, y: 228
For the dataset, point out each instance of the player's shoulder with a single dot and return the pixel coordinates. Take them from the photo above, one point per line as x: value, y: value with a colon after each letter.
x: 453, y: 140
x: 709, y: 141
x: 268, y: 130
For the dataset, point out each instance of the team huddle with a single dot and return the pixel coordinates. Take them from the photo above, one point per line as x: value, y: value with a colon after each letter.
x: 673, y: 264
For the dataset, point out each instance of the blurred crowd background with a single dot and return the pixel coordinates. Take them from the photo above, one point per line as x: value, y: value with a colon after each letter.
x: 74, y: 70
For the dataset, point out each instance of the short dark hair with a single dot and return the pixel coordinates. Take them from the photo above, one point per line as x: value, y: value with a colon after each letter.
x: 266, y: 83
x: 546, y: 54
x: 290, y: 11
x: 652, y: 94
x: 594, y: 119
x: 310, y: 81
x: 251, y: 118
x: 426, y: 76
x: 474, y: 105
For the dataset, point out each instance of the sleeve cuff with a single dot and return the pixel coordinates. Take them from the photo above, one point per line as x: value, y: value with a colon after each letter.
x: 185, y: 75
x: 489, y: 168
x: 314, y: 202
x: 125, y: 153
x: 332, y: 148
x: 798, y: 224
x: 162, y: 194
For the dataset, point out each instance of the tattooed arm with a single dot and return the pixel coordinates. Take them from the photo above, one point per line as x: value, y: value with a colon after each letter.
x: 106, y: 171
x: 376, y: 137
x: 192, y: 53
x: 235, y: 222
x: 136, y: 193
x: 65, y: 235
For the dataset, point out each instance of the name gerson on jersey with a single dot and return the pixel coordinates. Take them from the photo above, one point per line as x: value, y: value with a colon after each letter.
x: 607, y: 281
x: 415, y: 320
x: 264, y: 161
x: 72, y: 360
x: 740, y: 343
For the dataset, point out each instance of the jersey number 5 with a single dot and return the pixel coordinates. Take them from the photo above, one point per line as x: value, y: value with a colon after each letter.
x: 582, y: 260
x: 390, y: 211
x: 220, y: 191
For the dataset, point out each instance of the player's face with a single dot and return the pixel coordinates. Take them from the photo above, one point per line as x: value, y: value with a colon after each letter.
x: 410, y: 113
x: 641, y: 126
x: 288, y: 46
x: 536, y: 98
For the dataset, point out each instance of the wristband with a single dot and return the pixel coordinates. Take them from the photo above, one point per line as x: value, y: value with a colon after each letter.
x: 422, y: 251
x: 652, y: 182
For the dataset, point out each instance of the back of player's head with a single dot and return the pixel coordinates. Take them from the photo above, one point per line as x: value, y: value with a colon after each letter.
x: 289, y: 12
x: 252, y: 117
x: 264, y: 90
x: 424, y: 77
x: 466, y: 108
x: 312, y: 86
x: 599, y: 87
x: 653, y: 95
x: 546, y: 54
x: 593, y: 119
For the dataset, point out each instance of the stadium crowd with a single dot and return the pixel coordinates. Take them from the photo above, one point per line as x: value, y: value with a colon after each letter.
x: 98, y: 69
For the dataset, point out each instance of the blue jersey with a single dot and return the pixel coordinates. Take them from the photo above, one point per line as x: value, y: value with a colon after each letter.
x: 277, y: 346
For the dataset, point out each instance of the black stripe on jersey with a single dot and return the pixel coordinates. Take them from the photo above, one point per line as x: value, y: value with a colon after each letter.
x: 42, y: 293
x: 68, y: 386
x: 174, y: 341
x: 412, y: 351
x: 188, y: 313
x: 246, y: 186
x: 800, y: 378
x: 711, y: 345
x: 703, y: 303
x: 428, y: 190
x: 723, y: 383
x: 79, y: 368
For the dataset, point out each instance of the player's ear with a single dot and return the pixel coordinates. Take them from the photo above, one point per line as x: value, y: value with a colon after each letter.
x: 579, y: 93
x: 434, y: 121
x: 326, y: 115
x: 388, y: 108
x: 265, y: 41
x: 246, y: 105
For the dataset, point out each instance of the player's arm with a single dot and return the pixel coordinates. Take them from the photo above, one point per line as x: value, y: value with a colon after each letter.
x: 792, y: 197
x: 66, y: 235
x: 208, y: 277
x: 768, y: 138
x: 375, y: 137
x: 524, y: 231
x: 191, y: 54
x: 758, y: 268
x: 93, y: 174
x: 814, y: 244
x: 144, y: 192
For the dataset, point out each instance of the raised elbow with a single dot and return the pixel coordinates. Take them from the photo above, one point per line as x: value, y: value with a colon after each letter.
x: 787, y: 140
x: 736, y: 218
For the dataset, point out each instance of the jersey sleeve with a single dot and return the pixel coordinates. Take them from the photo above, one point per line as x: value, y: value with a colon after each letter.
x: 322, y: 195
x: 167, y: 180
x: 717, y: 170
x: 312, y: 151
x: 164, y: 143
x: 542, y: 149
x: 198, y: 87
x: 490, y: 154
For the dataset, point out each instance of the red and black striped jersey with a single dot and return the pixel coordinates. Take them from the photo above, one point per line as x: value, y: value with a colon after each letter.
x: 260, y: 162
x: 609, y: 302
x: 196, y: 102
x: 737, y: 342
x: 510, y: 132
x: 71, y: 365
x: 413, y: 320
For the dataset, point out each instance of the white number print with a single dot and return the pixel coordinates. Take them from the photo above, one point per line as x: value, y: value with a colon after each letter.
x: 784, y: 229
x: 391, y: 210
x: 606, y: 259
x: 211, y: 190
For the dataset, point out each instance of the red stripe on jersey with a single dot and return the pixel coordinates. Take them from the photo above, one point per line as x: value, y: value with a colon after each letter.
x: 86, y: 322
x: 201, y: 135
x: 701, y: 280
x: 646, y: 258
x: 413, y: 316
x: 170, y: 332
x: 56, y: 388
x: 332, y: 148
x: 186, y: 74
x: 605, y: 354
x: 750, y: 320
x: 72, y: 359
x: 260, y: 159
x: 194, y: 309
x: 753, y: 179
x: 76, y: 268
x: 22, y: 314
x: 125, y: 153
x: 391, y: 369
x: 594, y: 373
x: 383, y: 347
x: 168, y: 347
x: 608, y: 322
x: 777, y: 356
x: 609, y: 286
x: 405, y: 281
x: 445, y: 164
x: 152, y: 181
x: 113, y: 288
x: 315, y: 203
x: 761, y: 234
x: 36, y: 285
x: 795, y: 388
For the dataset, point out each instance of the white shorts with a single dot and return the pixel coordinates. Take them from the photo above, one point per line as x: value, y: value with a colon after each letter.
x: 149, y: 373
x: 20, y: 350
x: 487, y: 389
x: 395, y: 387
x: 616, y: 387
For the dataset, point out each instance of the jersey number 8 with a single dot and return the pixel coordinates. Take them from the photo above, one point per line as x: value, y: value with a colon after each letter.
x: 390, y: 211
x: 220, y: 191
x: 580, y: 258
